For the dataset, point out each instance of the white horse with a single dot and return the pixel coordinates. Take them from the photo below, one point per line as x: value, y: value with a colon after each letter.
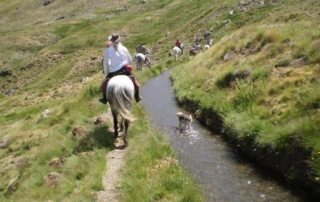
x: 141, y: 59
x: 176, y: 52
x: 120, y: 93
x: 208, y: 45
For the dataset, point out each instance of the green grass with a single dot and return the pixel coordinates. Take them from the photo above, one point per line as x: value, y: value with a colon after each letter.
x: 261, y: 108
x: 51, y: 138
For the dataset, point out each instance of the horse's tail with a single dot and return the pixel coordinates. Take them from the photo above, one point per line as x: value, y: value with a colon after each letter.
x: 122, y: 103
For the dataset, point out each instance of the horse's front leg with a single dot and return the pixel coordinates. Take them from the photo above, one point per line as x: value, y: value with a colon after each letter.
x: 115, y: 125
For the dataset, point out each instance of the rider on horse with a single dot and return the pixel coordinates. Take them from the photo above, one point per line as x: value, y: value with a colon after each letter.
x: 145, y: 51
x: 178, y: 44
x: 207, y: 37
x: 117, y: 61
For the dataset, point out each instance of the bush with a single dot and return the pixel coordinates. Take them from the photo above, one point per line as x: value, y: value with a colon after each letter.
x: 92, y: 92
x: 245, y: 94
x: 270, y: 37
x: 260, y: 73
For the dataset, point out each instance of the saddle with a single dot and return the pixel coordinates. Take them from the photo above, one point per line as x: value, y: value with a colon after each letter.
x: 124, y: 71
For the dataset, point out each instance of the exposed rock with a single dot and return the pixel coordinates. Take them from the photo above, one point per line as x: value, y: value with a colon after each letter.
x: 245, y: 5
x: 13, y: 163
x: 85, y: 79
x: 229, y: 56
x: 4, y: 142
x: 52, y: 179
x: 46, y: 113
x: 56, y: 162
x: 61, y: 18
x: 80, y: 132
x: 11, y: 91
x: 47, y: 2
x: 101, y: 119
x: 21, y: 162
x: 298, y: 62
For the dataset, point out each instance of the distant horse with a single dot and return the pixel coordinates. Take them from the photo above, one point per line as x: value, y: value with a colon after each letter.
x: 208, y: 45
x: 195, y: 49
x: 142, y: 59
x: 120, y: 92
x: 176, y: 52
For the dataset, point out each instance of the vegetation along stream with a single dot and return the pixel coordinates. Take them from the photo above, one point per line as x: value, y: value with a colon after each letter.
x: 222, y: 172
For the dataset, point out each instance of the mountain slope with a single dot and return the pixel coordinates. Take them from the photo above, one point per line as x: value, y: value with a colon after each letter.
x: 48, y: 51
x: 262, y: 82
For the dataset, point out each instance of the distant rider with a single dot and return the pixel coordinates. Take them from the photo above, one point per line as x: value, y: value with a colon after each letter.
x: 145, y: 51
x: 179, y: 45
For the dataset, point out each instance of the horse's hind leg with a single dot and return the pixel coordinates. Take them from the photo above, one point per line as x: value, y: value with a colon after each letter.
x: 121, y: 125
x: 126, y: 125
x: 115, y: 125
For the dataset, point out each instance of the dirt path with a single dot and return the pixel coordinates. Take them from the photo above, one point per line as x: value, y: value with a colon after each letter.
x: 114, y: 165
x: 110, y: 181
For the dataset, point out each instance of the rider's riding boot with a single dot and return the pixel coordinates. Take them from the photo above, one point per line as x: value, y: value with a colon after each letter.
x: 103, y: 100
x: 137, y: 96
x: 103, y: 89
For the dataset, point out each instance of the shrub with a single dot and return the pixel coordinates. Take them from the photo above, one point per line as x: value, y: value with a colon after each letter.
x: 229, y: 78
x: 313, y: 51
x: 260, y: 73
x: 245, y: 94
x: 270, y: 37
x: 92, y: 92
x: 224, y: 80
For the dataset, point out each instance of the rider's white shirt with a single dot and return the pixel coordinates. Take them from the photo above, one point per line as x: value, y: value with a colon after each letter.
x: 114, y: 60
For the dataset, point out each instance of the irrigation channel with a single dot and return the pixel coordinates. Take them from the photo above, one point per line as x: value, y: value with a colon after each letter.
x: 221, y: 171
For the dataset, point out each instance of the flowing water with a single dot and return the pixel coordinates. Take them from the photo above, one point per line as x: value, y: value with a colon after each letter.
x: 222, y: 173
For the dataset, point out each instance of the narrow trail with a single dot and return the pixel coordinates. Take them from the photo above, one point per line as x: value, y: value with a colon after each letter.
x: 111, y: 184
x: 114, y: 165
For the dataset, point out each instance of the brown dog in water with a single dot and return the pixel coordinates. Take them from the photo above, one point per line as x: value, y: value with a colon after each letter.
x: 184, y: 121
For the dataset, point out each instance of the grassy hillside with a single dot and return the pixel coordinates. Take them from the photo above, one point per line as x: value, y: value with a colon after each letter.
x: 262, y: 81
x: 47, y: 51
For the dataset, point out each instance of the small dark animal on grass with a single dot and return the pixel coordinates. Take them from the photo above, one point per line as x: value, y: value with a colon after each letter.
x: 184, y: 121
